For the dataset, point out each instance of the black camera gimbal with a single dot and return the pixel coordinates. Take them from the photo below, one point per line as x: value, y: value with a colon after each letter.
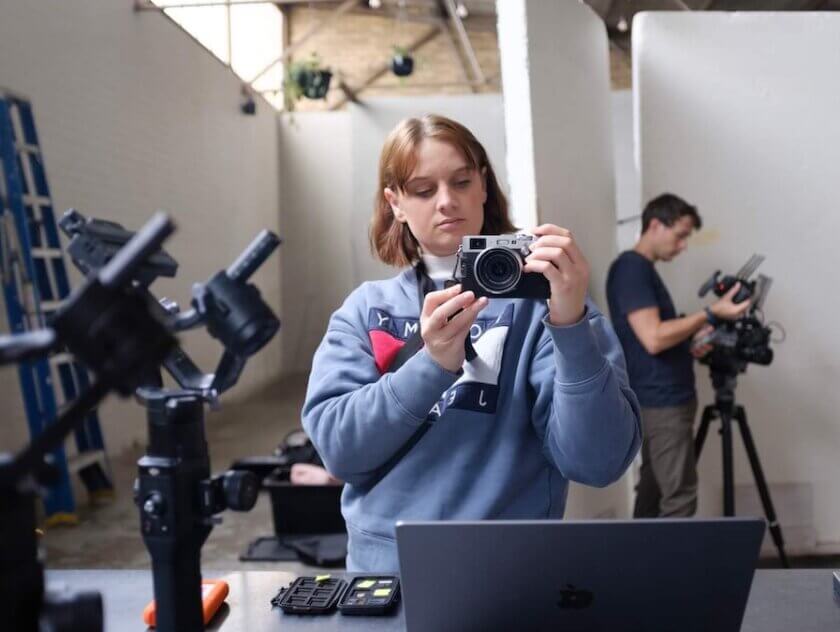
x: 177, y: 497
x: 121, y: 335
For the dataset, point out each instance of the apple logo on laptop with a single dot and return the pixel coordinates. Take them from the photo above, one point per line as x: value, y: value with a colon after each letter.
x: 575, y: 598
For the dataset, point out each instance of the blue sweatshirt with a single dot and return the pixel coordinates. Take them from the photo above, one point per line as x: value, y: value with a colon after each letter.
x: 539, y: 406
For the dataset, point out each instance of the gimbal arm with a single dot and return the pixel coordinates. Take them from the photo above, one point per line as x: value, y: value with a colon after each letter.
x: 234, y: 313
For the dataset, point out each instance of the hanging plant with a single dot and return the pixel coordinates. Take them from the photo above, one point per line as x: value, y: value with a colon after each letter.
x: 402, y: 63
x: 307, y: 79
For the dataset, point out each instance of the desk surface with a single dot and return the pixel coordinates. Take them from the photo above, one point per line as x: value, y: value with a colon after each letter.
x: 801, y: 600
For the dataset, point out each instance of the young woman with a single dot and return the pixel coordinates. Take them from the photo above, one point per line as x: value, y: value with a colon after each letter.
x: 544, y: 400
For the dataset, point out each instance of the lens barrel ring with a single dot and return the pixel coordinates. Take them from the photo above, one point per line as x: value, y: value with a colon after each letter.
x: 505, y: 280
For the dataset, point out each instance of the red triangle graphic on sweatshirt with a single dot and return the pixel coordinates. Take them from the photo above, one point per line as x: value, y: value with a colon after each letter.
x: 385, y: 348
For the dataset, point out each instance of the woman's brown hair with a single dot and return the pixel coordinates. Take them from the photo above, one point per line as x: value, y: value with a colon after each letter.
x: 391, y: 240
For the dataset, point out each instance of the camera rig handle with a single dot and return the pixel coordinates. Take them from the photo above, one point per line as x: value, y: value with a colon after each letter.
x: 720, y: 286
x: 95, y: 242
x: 711, y: 284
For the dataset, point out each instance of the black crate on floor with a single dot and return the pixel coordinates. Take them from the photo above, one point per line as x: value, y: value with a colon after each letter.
x: 304, y: 509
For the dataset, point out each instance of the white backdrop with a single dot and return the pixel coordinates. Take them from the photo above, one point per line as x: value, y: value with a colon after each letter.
x: 738, y: 113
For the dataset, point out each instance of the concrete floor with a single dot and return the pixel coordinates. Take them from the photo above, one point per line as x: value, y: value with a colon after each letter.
x: 108, y: 536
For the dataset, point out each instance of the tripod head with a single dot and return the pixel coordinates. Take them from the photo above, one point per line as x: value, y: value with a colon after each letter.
x: 120, y: 335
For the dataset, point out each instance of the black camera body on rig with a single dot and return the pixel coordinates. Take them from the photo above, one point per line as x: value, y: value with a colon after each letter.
x: 492, y: 266
x: 746, y: 340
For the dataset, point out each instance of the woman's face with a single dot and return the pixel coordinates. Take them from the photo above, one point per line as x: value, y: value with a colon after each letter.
x: 443, y: 199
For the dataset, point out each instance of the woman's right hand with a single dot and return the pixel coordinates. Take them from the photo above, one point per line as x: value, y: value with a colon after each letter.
x: 445, y: 322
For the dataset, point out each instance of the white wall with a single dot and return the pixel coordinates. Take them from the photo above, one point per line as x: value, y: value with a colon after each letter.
x: 316, y: 208
x: 329, y: 176
x: 628, y: 202
x: 555, y: 77
x: 133, y: 116
x: 738, y: 114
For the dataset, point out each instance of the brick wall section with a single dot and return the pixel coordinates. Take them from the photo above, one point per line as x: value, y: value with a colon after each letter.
x: 621, y: 70
x: 357, y: 44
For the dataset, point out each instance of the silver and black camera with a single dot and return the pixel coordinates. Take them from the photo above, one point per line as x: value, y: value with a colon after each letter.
x: 491, y: 265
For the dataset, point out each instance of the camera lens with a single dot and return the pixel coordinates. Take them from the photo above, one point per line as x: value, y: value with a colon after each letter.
x: 478, y: 243
x: 498, y: 270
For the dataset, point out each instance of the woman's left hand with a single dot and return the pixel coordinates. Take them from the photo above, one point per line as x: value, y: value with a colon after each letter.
x: 556, y: 255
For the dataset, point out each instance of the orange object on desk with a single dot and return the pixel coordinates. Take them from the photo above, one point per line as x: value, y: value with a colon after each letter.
x: 213, y: 595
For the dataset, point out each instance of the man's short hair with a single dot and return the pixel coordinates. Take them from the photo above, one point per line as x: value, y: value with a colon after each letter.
x: 669, y: 208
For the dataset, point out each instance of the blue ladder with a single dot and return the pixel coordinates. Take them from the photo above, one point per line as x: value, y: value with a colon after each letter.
x: 34, y: 280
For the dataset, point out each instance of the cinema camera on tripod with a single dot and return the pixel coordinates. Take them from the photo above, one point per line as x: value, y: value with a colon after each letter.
x: 493, y: 266
x: 175, y: 493
x: 734, y: 345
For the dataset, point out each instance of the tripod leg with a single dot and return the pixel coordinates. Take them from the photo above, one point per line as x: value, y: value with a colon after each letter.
x: 728, y: 477
x: 761, y: 483
x: 705, y: 420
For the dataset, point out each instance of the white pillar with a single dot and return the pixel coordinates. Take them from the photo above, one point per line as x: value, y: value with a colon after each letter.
x: 555, y: 79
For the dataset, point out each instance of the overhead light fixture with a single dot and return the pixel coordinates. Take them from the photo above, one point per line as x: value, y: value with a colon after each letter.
x: 462, y: 11
x: 622, y: 25
x: 375, y: 4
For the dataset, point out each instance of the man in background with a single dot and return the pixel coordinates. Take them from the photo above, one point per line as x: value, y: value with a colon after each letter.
x: 658, y: 348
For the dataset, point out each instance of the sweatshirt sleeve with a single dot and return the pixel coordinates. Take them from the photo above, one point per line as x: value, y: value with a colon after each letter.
x: 356, y: 417
x: 585, y: 411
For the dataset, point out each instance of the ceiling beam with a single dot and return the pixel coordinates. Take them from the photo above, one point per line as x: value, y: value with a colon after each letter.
x: 463, y: 38
x: 148, y: 5
x: 475, y: 23
x: 453, y: 48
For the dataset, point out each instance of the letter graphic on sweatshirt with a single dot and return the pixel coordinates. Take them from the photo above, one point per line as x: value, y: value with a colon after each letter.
x: 478, y: 388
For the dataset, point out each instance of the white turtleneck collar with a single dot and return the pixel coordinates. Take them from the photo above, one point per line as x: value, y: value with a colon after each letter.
x: 439, y: 268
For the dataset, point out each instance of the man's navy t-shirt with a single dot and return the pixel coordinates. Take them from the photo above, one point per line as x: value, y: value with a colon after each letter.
x: 664, y: 379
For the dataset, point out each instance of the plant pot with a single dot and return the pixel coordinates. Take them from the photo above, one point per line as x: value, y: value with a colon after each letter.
x: 402, y: 65
x: 314, y: 84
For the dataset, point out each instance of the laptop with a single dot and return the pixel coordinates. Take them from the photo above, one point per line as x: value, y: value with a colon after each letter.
x: 628, y: 575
